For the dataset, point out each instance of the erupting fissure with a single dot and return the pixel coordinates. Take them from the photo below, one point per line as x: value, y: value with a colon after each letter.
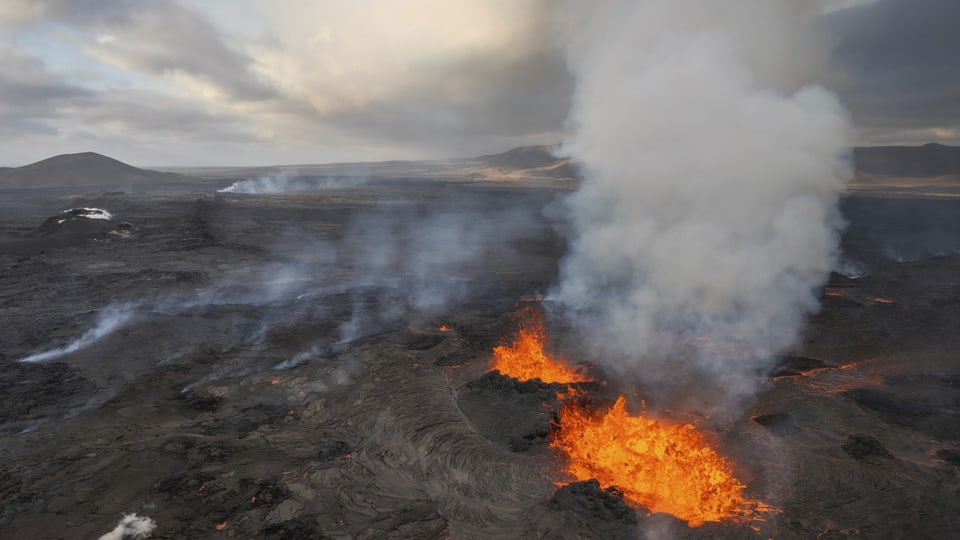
x: 525, y: 358
x: 662, y: 465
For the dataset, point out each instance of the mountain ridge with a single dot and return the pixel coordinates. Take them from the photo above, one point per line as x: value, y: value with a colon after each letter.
x: 83, y: 169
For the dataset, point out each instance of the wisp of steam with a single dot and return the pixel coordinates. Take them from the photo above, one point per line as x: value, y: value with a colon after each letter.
x: 109, y: 320
x: 707, y: 219
x: 290, y: 183
x: 131, y: 526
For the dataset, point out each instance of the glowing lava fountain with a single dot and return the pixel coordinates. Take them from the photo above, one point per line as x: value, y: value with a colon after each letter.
x: 664, y: 466
x: 658, y: 464
x: 525, y: 359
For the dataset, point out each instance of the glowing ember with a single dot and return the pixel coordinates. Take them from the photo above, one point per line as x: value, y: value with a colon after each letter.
x: 525, y: 359
x: 879, y: 300
x: 443, y: 328
x: 833, y: 293
x: 221, y: 526
x: 664, y: 466
x: 275, y: 381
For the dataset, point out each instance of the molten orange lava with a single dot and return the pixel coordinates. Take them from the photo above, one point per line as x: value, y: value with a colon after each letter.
x: 525, y: 359
x: 221, y: 526
x: 664, y: 466
x: 881, y: 300
x: 443, y: 328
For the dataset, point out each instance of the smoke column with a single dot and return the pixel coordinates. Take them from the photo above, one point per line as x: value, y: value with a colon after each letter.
x: 707, y: 219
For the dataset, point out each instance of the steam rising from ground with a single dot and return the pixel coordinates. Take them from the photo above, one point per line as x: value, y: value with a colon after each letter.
x: 290, y: 183
x: 707, y: 219
x: 385, y: 264
x: 131, y: 526
x: 430, y: 259
x: 109, y: 320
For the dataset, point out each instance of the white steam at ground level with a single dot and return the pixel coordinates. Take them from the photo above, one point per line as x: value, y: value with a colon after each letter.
x: 707, y: 219
x: 131, y: 526
x: 109, y: 320
x: 291, y: 183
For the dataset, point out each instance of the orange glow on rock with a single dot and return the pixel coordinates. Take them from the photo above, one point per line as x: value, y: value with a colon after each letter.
x: 881, y: 300
x: 221, y: 526
x: 661, y: 465
x: 443, y: 328
x: 525, y: 359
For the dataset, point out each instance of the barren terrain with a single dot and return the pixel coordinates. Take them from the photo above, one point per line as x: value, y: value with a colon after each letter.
x: 273, y: 366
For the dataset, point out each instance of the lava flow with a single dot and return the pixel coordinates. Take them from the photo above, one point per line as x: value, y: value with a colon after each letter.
x: 663, y: 466
x: 525, y: 359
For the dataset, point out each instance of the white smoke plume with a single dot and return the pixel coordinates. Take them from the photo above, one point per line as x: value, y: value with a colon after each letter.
x: 433, y: 258
x: 707, y: 218
x: 131, y: 526
x: 291, y: 183
x: 109, y: 320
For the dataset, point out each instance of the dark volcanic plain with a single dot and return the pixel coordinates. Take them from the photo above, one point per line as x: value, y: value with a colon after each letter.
x: 272, y: 366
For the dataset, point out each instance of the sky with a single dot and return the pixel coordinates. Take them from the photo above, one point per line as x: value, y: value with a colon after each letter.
x: 258, y: 82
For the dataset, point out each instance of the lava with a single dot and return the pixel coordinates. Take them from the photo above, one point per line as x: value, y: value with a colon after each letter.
x: 661, y: 465
x: 881, y: 300
x: 525, y: 358
x: 658, y: 464
x: 833, y: 293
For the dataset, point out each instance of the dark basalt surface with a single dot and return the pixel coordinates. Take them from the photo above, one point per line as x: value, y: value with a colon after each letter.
x: 601, y: 511
x: 865, y: 448
x: 791, y: 365
x: 531, y: 406
x: 274, y: 364
x: 779, y: 424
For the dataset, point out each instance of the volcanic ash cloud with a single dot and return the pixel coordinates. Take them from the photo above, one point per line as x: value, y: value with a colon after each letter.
x: 707, y: 218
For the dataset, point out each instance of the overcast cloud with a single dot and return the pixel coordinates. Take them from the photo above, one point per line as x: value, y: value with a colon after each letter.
x: 899, y: 69
x: 256, y: 82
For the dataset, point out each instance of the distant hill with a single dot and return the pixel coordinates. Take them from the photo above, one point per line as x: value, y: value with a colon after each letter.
x: 927, y: 161
x: 522, y: 157
x: 87, y: 169
x: 526, y: 162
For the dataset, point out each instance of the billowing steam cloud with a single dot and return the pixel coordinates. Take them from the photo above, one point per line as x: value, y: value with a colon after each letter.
x: 707, y: 218
x: 131, y: 526
x: 291, y: 183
